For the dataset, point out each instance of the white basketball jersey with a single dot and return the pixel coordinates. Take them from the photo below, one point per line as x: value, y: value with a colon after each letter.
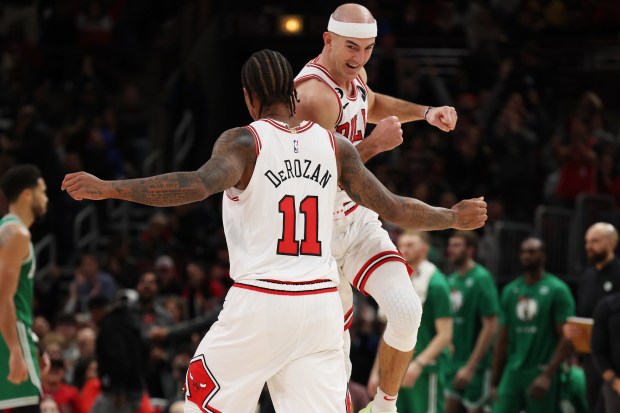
x: 280, y: 226
x: 351, y: 118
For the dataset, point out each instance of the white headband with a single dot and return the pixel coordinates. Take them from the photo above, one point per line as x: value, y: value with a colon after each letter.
x: 357, y: 30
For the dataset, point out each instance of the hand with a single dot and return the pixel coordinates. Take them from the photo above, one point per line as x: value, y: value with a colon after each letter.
x: 18, y: 371
x: 412, y: 374
x: 470, y: 214
x: 44, y: 363
x: 387, y: 135
x: 443, y: 117
x: 81, y: 185
x: 572, y: 331
x: 540, y: 387
x: 158, y: 333
x: 615, y: 384
x: 373, y: 384
x: 463, y: 377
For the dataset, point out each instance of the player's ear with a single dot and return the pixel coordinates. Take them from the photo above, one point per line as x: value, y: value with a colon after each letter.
x: 327, y: 38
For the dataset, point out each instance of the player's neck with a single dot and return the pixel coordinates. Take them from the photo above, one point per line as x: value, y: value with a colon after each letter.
x: 466, y: 267
x: 324, y: 61
x: 24, y: 214
x: 279, y: 114
x: 532, y: 277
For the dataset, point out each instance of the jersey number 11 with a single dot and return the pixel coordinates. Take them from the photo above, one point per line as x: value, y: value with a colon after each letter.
x: 309, y: 244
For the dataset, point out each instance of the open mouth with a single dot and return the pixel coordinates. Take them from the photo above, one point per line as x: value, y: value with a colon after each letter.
x: 350, y: 66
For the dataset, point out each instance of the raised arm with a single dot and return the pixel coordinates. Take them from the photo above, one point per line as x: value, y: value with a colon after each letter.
x: 381, y: 106
x: 232, y: 160
x: 363, y: 187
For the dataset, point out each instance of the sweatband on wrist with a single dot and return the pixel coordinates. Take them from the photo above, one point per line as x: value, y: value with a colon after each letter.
x: 356, y: 30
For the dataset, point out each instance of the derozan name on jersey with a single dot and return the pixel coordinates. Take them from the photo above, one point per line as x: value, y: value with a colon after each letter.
x: 296, y: 169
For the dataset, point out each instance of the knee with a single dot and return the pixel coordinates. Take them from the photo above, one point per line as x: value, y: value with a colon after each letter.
x: 403, y: 310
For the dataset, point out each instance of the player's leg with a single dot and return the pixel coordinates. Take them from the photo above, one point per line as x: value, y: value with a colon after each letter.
x: 373, y: 265
x: 391, y: 287
x: 313, y: 383
x: 237, y: 355
x: 452, y: 402
x: 314, y: 380
x: 477, y: 392
x: 510, y: 394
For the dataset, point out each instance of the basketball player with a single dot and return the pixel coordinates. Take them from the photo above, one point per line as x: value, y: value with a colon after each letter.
x: 531, y: 347
x: 282, y: 319
x: 333, y: 93
x: 475, y: 306
x: 20, y: 380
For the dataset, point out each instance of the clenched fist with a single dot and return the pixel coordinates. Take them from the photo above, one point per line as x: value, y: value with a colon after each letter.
x: 387, y: 135
x: 443, y: 117
x: 81, y: 185
x: 470, y: 213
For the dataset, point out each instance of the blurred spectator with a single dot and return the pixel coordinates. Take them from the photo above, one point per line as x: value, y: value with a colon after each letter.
x: 54, y: 386
x: 120, y: 355
x: 606, y: 349
x: 152, y: 314
x: 85, y: 340
x: 89, y: 281
x: 49, y: 405
x: 167, y: 276
x: 601, y: 279
x: 122, y: 263
x: 534, y: 309
x: 202, y: 292
x: 475, y: 306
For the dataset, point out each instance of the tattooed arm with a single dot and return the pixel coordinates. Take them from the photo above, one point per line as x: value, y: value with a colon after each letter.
x: 233, y: 153
x: 363, y: 187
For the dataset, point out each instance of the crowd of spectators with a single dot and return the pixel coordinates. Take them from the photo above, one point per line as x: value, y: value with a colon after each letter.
x: 77, y: 84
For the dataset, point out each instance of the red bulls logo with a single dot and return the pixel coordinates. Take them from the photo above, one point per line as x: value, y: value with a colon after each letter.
x: 200, y: 385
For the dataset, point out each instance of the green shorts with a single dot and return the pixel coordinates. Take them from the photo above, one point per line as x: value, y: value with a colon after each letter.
x: 476, y: 394
x: 513, y: 397
x: 425, y: 396
x: 27, y: 393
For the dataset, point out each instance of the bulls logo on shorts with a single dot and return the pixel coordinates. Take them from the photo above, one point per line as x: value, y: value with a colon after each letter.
x: 200, y: 385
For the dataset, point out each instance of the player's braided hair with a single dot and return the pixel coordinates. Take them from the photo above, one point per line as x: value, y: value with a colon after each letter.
x: 270, y: 76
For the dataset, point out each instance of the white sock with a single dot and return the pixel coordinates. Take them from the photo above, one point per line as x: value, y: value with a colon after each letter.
x: 383, y: 402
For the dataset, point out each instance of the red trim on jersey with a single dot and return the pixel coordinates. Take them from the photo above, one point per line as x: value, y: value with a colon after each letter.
x: 280, y: 292
x: 348, y: 319
x: 295, y: 282
x: 257, y: 141
x: 332, y: 139
x: 359, y: 79
x: 232, y: 198
x: 372, y: 264
x: 349, y: 402
x: 353, y: 208
x: 302, y: 127
x: 317, y: 77
x: 323, y: 69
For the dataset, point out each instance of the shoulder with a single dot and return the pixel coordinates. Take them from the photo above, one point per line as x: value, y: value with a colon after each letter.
x: 314, y: 92
x: 556, y: 282
x: 14, y: 233
x: 439, y: 280
x: 238, y: 138
x: 482, y: 274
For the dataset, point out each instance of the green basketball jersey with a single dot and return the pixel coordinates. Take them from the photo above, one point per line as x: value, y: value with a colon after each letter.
x: 25, y: 288
x: 531, y: 314
x: 473, y: 296
x: 436, y: 305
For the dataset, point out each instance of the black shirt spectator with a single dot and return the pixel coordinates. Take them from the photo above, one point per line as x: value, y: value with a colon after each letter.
x: 606, y: 349
x: 597, y: 284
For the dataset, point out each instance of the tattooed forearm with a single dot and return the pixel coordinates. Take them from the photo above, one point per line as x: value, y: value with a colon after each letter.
x: 171, y: 189
x: 364, y: 188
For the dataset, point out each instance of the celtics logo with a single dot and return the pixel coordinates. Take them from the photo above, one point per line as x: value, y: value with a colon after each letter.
x: 527, y: 308
x: 456, y: 299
